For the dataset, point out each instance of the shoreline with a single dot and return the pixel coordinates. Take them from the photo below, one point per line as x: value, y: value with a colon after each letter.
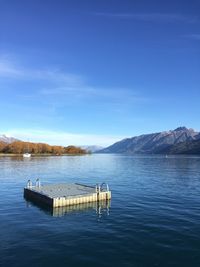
x: 39, y: 155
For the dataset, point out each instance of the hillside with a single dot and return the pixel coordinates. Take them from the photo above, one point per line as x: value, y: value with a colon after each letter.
x: 153, y: 143
x: 188, y: 147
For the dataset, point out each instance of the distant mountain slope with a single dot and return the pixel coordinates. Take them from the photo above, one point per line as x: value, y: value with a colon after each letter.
x: 153, y: 143
x: 7, y: 140
x: 92, y: 149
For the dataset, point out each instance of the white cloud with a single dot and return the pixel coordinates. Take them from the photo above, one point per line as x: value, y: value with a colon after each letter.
x: 62, y: 138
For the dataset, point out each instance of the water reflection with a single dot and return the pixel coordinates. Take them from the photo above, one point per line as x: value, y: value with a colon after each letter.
x: 101, y: 208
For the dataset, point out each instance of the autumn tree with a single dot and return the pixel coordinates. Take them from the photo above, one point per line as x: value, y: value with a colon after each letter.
x: 19, y: 147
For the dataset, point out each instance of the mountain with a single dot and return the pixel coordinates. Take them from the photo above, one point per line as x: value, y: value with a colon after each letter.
x: 153, y: 143
x: 187, y: 147
x: 7, y: 140
x: 92, y: 149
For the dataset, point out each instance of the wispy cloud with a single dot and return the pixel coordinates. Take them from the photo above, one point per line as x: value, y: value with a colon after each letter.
x: 58, y: 85
x: 62, y: 138
x: 194, y: 36
x: 73, y: 104
x: 88, y: 93
x: 9, y: 68
x: 152, y: 17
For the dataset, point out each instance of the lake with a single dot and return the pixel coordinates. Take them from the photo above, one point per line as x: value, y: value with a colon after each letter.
x: 153, y: 218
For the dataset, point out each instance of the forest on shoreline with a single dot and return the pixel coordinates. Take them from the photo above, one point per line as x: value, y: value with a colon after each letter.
x: 20, y: 147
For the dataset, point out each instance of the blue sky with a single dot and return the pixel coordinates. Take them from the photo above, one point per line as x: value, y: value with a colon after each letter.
x: 93, y: 72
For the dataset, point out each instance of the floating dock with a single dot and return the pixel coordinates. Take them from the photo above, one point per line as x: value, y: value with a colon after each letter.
x: 60, y: 195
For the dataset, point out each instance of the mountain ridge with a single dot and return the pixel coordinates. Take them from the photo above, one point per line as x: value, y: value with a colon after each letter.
x: 153, y: 143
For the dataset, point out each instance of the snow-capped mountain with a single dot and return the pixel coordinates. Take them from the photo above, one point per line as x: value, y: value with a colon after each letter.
x: 7, y: 139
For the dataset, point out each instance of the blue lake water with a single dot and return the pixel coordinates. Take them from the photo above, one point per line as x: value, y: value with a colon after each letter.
x: 153, y: 218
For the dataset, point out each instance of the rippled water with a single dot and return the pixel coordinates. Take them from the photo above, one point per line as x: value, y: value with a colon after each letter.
x: 153, y: 218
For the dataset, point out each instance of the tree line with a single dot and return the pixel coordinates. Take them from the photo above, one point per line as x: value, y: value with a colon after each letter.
x: 20, y: 147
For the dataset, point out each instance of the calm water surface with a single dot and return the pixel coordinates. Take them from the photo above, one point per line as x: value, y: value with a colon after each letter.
x: 153, y: 219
